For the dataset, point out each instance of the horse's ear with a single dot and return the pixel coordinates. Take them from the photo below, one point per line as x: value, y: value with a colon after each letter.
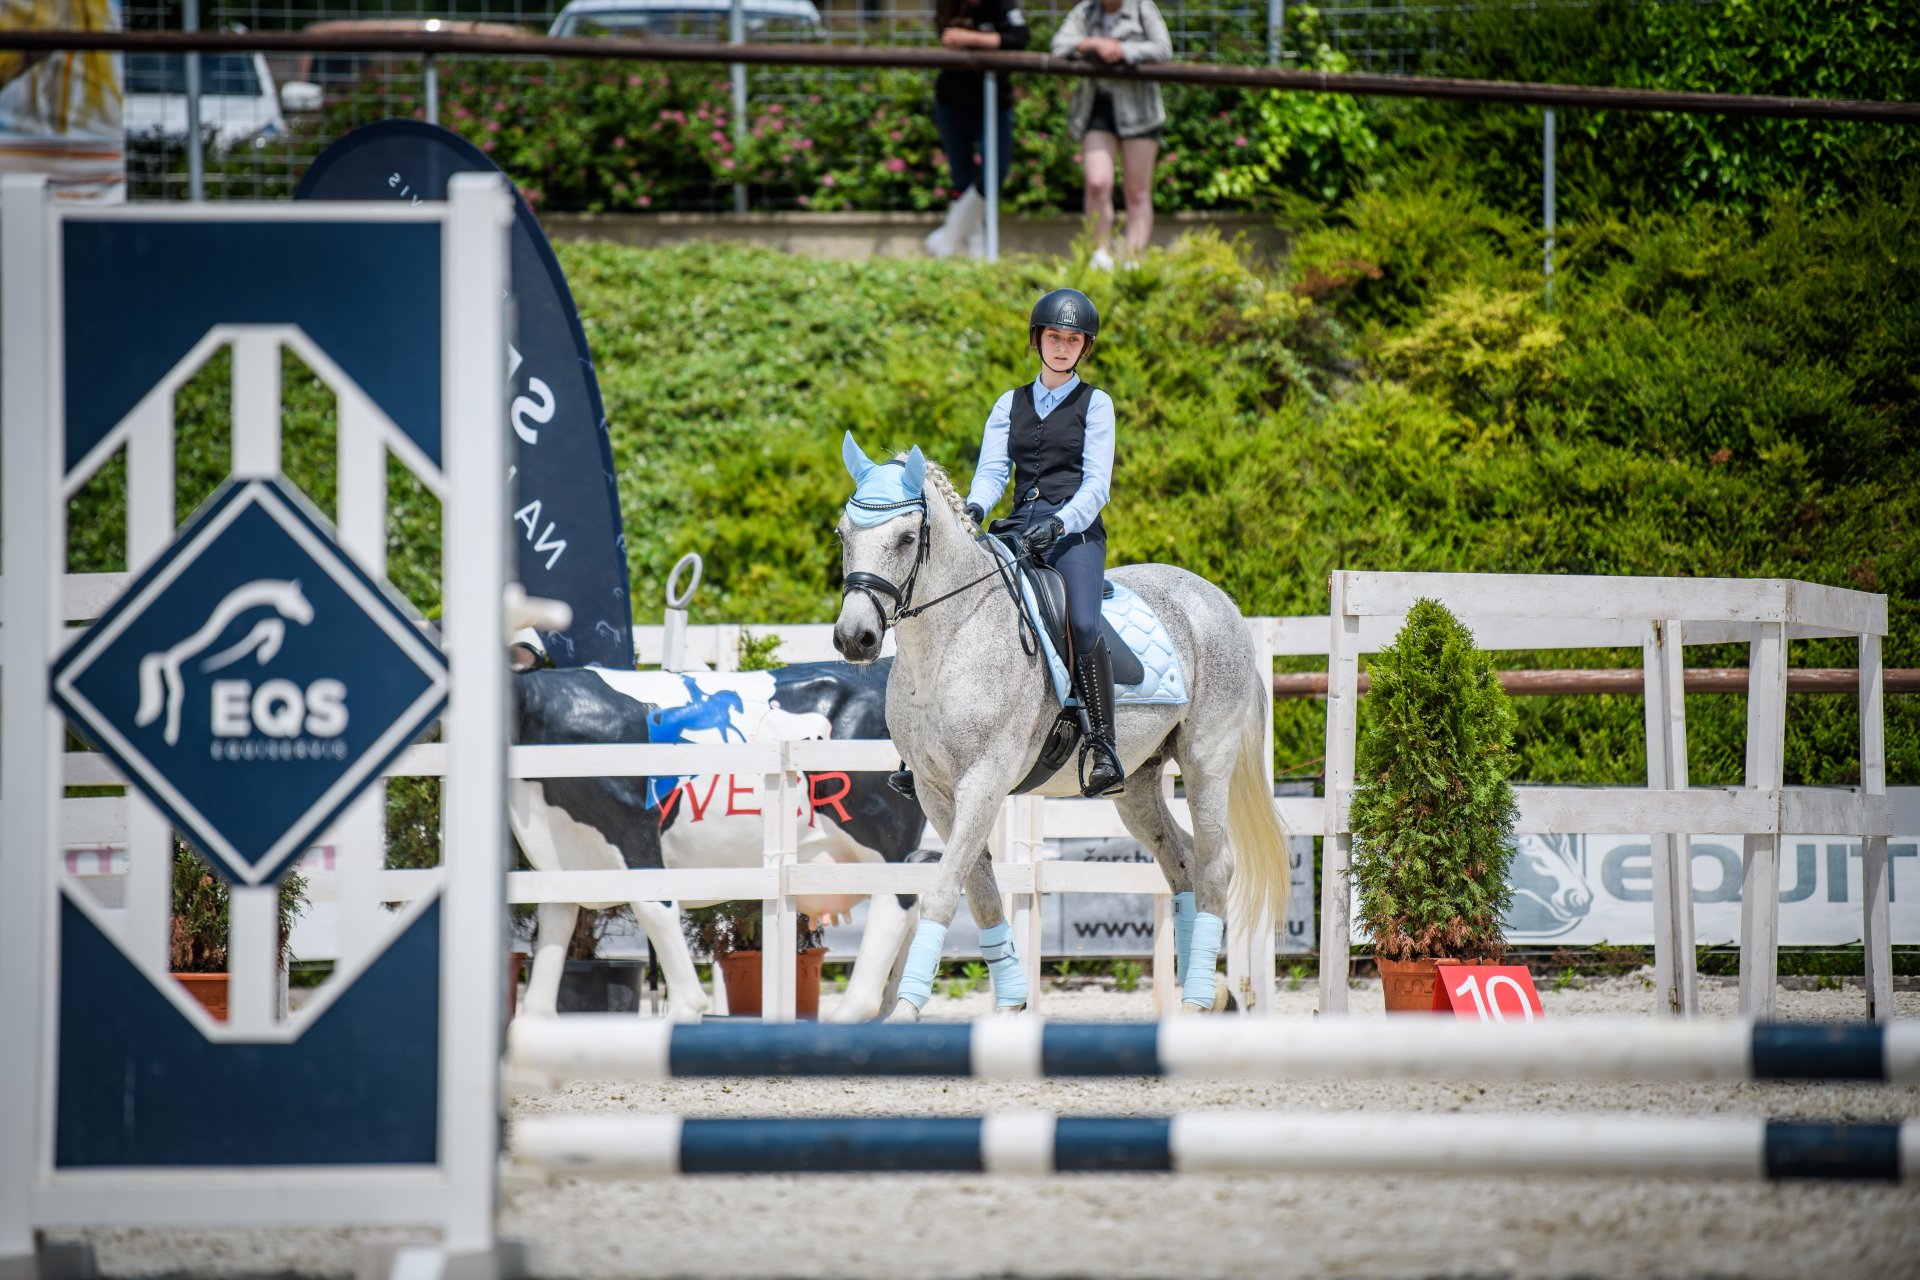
x: 858, y: 463
x: 916, y: 470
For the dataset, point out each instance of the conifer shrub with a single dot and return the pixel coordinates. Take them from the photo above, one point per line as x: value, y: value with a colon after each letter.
x: 1433, y: 812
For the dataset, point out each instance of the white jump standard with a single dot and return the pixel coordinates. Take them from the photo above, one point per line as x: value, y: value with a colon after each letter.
x: 620, y: 1046
x: 1223, y: 1142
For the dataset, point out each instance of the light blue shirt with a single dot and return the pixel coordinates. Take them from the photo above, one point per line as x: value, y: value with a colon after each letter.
x: 995, y: 467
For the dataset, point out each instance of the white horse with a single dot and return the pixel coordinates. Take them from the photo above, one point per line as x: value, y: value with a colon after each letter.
x: 970, y: 710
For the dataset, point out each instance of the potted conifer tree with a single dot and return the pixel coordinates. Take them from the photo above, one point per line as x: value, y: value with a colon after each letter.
x: 197, y: 938
x: 730, y: 933
x: 1433, y: 812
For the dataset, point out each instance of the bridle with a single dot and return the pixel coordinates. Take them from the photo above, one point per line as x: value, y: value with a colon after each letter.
x: 873, y: 586
x: 868, y: 584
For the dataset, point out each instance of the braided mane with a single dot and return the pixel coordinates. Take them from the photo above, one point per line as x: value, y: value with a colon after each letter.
x: 937, y: 481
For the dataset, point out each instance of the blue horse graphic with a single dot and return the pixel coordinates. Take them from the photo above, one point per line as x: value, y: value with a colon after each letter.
x: 703, y: 710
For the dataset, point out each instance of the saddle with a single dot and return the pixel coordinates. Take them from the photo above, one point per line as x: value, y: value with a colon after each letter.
x: 1050, y: 594
x: 1050, y: 590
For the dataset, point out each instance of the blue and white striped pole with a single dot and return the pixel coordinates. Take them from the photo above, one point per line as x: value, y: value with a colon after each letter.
x: 1223, y: 1142
x: 621, y: 1046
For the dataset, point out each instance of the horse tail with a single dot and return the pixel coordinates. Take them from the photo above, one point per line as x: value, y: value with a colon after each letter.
x: 1261, y: 873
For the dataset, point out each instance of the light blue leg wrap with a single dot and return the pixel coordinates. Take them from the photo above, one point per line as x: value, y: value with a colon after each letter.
x: 1183, y: 910
x: 1208, y: 932
x: 923, y: 961
x: 1009, y: 979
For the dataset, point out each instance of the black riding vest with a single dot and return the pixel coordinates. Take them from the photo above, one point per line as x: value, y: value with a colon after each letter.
x: 1046, y: 452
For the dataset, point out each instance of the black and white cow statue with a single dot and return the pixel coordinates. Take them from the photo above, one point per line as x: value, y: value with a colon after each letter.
x: 714, y: 820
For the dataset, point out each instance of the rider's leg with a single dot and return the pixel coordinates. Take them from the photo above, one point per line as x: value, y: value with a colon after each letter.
x: 1083, y: 563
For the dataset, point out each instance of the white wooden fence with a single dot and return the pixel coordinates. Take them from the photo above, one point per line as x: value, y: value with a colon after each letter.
x: 1506, y: 612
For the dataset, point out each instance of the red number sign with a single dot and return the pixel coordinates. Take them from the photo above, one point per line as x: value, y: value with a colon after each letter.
x: 1489, y: 992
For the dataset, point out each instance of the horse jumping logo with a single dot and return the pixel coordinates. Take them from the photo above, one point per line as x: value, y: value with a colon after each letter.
x: 161, y: 687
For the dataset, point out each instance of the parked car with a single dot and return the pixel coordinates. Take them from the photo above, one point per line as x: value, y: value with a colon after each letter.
x: 779, y: 20
x: 311, y: 79
x: 238, y: 105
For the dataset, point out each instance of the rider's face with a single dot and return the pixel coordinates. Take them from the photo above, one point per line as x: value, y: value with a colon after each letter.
x: 1061, y: 348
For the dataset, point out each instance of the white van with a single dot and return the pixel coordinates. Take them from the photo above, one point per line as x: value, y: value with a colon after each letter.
x: 238, y: 104
x: 767, y: 20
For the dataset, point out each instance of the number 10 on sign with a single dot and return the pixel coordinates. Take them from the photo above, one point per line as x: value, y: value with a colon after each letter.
x: 1489, y: 992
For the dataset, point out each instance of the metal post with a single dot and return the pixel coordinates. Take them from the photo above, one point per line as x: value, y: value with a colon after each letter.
x: 990, y: 138
x: 432, y: 89
x: 1276, y: 30
x: 1546, y: 199
x: 737, y: 34
x: 196, y: 168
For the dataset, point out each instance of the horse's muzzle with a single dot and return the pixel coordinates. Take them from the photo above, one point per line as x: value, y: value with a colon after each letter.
x: 856, y: 642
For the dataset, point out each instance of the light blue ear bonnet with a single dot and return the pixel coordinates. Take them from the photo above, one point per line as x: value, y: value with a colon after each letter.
x: 883, y: 491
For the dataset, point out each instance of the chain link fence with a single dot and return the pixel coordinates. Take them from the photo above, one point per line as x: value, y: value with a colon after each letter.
x: 264, y: 119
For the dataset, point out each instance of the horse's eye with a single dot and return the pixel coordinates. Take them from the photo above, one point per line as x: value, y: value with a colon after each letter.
x: 902, y: 542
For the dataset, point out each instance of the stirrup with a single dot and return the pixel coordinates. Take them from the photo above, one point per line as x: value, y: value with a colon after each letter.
x: 901, y: 782
x: 1099, y: 753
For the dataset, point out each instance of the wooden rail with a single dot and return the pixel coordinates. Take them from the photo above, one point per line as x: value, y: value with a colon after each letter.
x: 1631, y: 681
x: 418, y: 43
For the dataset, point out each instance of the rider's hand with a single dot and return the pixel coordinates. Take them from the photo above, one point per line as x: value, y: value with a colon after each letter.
x: 975, y: 514
x: 1039, y: 537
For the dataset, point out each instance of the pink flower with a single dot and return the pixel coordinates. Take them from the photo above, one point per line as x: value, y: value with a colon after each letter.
x: 727, y: 164
x: 1226, y: 115
x: 493, y: 126
x: 774, y: 109
x: 814, y: 98
x: 718, y: 136
x: 461, y: 113
x: 619, y: 142
x: 644, y: 201
x: 487, y: 145
x: 806, y: 144
x: 893, y: 135
x: 633, y: 82
x: 805, y: 201
x: 1076, y: 157
x: 1168, y: 158
x: 827, y: 181
x: 897, y: 165
x: 1240, y: 141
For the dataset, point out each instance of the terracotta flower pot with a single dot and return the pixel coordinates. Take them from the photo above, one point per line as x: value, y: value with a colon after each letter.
x: 210, y: 989
x: 1408, y: 984
x: 741, y: 970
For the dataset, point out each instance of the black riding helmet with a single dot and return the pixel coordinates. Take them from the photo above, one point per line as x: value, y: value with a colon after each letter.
x: 1066, y: 309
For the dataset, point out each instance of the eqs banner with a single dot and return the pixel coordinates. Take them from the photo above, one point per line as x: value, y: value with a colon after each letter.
x: 566, y: 509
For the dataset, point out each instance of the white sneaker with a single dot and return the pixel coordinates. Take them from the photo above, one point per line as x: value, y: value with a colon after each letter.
x: 977, y: 242
x: 1101, y: 260
x: 953, y: 234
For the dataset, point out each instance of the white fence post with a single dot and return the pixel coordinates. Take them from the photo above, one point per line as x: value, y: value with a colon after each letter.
x: 1343, y: 696
x: 1675, y: 984
x: 1760, y: 871
x: 1876, y: 927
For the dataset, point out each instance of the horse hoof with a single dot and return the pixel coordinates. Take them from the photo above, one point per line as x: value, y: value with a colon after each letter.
x: 1010, y: 1008
x: 1223, y: 1000
x: 904, y: 1011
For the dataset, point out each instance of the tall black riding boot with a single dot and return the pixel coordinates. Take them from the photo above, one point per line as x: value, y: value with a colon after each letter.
x: 1100, y: 771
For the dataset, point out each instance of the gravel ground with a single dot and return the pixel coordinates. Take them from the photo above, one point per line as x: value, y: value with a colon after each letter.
x: 897, y: 1227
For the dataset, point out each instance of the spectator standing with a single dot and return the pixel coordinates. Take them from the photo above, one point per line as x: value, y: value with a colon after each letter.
x: 959, y: 113
x: 1117, y: 121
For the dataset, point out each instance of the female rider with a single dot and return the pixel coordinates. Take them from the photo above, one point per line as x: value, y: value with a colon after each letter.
x: 1055, y: 436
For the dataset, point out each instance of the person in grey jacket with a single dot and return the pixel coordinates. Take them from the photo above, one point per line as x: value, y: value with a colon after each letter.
x: 1117, y: 120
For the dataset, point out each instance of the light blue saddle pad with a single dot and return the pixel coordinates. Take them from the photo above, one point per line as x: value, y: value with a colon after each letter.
x: 1135, y: 622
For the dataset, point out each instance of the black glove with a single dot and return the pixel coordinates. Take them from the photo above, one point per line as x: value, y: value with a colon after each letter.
x: 975, y: 514
x: 1040, y: 536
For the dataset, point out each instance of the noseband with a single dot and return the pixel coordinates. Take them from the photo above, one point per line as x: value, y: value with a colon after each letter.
x: 872, y: 585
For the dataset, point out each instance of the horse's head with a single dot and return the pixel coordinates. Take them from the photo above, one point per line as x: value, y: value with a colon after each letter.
x: 883, y: 542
